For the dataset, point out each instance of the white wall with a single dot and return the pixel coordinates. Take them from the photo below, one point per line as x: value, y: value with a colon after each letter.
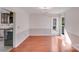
x: 40, y: 21
x: 21, y: 25
x: 40, y: 24
x: 72, y: 25
x: 72, y: 21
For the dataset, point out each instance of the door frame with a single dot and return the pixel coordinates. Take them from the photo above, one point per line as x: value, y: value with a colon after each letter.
x: 60, y: 30
x: 55, y: 32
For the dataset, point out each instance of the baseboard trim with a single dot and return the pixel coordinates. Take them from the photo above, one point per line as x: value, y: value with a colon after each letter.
x: 32, y: 35
x: 41, y: 35
x: 75, y: 47
x: 21, y: 41
x: 10, y: 49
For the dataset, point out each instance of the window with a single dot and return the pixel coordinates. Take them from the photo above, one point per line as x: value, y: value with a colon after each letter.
x: 63, y: 24
x: 54, y: 23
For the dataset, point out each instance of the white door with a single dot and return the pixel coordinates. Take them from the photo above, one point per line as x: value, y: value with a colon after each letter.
x: 62, y: 25
x: 54, y: 26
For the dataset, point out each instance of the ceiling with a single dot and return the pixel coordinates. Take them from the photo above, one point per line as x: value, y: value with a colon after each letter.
x: 52, y: 10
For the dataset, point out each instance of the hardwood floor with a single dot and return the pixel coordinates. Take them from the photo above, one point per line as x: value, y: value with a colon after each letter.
x: 42, y: 44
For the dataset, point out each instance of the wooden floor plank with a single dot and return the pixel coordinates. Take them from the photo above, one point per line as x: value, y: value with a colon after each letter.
x: 42, y: 44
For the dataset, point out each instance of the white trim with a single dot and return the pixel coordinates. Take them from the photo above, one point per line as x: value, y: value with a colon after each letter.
x: 73, y: 33
x: 40, y: 34
x: 76, y: 47
x: 21, y: 41
x: 10, y: 49
x: 31, y: 35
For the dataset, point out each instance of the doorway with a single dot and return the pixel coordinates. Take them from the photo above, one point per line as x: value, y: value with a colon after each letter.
x: 62, y: 26
x: 55, y: 26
